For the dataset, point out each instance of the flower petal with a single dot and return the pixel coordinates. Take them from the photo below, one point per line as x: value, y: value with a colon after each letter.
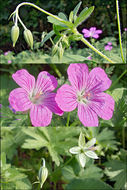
x: 99, y: 79
x: 19, y: 100
x: 90, y: 143
x: 24, y: 79
x: 85, y: 31
x: 95, y: 36
x: 87, y: 116
x: 98, y: 31
x: 46, y: 82
x: 78, y: 75
x: 82, y: 159
x: 50, y: 103
x: 92, y: 29
x: 66, y: 98
x: 104, y: 109
x: 75, y: 150
x: 91, y: 154
x: 40, y: 116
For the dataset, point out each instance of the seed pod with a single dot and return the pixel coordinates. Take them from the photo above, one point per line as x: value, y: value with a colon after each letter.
x: 60, y: 52
x: 43, y: 174
x: 14, y: 34
x: 28, y: 37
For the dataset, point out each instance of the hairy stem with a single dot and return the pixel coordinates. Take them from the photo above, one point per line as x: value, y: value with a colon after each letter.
x: 68, y: 119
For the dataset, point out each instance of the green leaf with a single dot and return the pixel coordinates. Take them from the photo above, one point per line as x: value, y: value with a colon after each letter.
x: 117, y: 94
x: 62, y: 23
x: 47, y: 37
x: 62, y: 15
x: 88, y: 183
x: 76, y: 9
x: 83, y: 16
x: 116, y: 171
x: 75, y: 37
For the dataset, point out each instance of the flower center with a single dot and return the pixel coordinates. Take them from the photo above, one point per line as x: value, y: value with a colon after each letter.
x: 36, y: 97
x: 84, y: 97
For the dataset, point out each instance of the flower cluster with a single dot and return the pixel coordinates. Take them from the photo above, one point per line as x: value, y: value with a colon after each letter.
x: 108, y: 47
x: 85, y: 93
x: 92, y: 32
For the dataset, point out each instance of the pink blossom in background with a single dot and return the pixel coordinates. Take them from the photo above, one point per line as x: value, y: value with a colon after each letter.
x: 9, y: 61
x: 7, y: 52
x: 125, y: 29
x: 37, y: 97
x: 86, y: 94
x: 108, y: 47
x: 92, y: 32
x: 89, y: 57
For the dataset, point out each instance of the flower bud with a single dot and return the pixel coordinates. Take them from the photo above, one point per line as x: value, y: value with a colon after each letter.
x: 54, y: 49
x: 43, y: 174
x: 14, y: 34
x: 29, y: 38
x: 60, y: 52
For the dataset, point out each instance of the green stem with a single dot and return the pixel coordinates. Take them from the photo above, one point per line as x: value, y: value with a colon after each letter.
x: 22, y: 23
x: 36, y: 7
x: 54, y: 67
x: 68, y: 119
x: 97, y: 51
x: 119, y: 30
x: 116, y: 81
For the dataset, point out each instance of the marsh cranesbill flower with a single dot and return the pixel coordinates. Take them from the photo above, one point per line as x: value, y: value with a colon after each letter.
x: 108, y: 47
x: 35, y: 96
x: 84, y: 150
x: 92, y: 32
x: 6, y: 53
x: 125, y: 29
x: 86, y: 94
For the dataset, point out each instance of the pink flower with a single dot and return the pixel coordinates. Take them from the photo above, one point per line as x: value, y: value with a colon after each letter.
x: 7, y: 52
x: 125, y: 29
x: 108, y: 48
x: 9, y: 61
x: 86, y: 94
x: 35, y: 96
x: 92, y: 32
x: 89, y: 57
x: 109, y: 43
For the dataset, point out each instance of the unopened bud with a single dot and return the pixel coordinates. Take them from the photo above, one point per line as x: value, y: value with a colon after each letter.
x: 14, y: 34
x: 60, y: 52
x: 43, y: 174
x: 54, y: 49
x: 29, y: 38
x: 66, y: 41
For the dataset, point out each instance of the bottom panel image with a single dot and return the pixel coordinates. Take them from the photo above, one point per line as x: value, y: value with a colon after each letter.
x: 63, y: 95
x: 63, y: 158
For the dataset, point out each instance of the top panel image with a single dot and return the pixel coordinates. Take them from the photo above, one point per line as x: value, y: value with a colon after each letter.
x: 63, y: 32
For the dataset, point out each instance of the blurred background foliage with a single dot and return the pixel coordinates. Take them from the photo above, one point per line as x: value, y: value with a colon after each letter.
x: 103, y: 17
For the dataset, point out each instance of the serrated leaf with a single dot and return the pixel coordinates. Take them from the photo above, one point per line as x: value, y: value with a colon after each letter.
x: 83, y: 16
x: 62, y: 15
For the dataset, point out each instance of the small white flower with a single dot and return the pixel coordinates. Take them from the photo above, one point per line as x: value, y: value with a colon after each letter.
x: 84, y: 149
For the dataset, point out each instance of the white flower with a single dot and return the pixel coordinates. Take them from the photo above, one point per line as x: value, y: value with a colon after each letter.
x: 84, y: 149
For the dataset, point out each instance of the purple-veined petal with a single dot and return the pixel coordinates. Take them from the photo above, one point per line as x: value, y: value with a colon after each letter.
x: 45, y: 82
x: 104, y: 109
x: 78, y: 75
x: 91, y: 154
x: 19, y: 100
x: 98, y: 80
x: 87, y: 116
x: 40, y: 116
x: 75, y: 150
x: 50, y: 102
x: 24, y: 79
x: 85, y: 31
x: 82, y: 159
x: 66, y: 98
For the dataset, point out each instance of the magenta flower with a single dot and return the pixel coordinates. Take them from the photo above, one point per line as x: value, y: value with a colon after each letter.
x: 9, y: 61
x: 35, y: 96
x: 108, y: 47
x: 125, y: 29
x: 92, y: 32
x: 7, y: 52
x: 89, y: 57
x: 86, y: 93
